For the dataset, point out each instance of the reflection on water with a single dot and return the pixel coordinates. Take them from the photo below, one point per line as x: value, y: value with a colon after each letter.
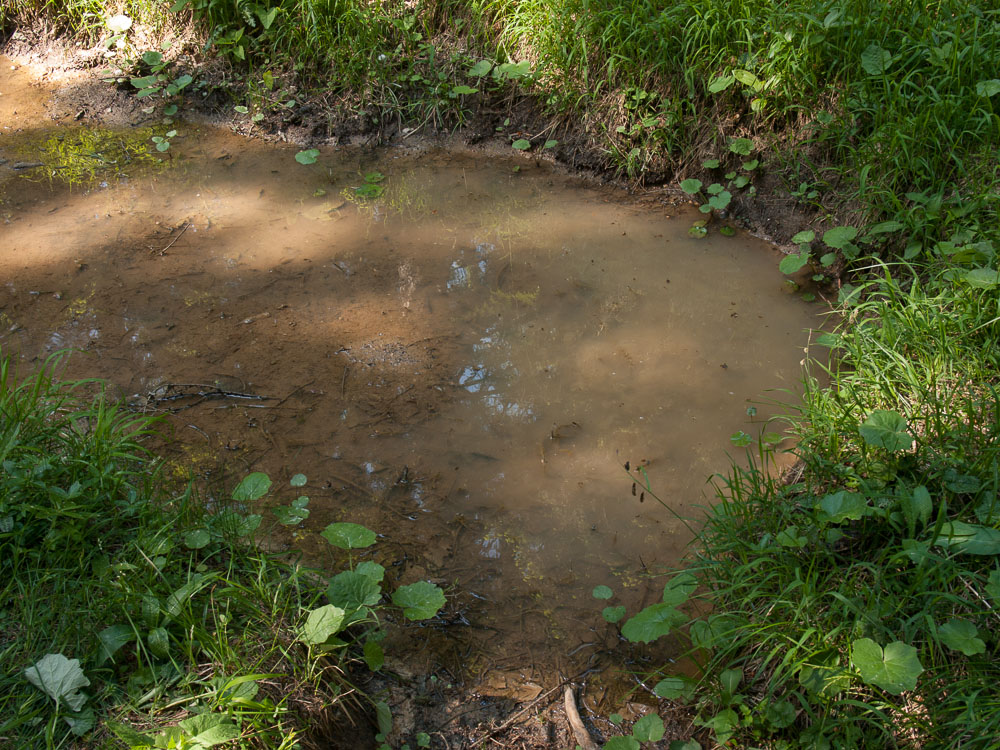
x: 463, y: 364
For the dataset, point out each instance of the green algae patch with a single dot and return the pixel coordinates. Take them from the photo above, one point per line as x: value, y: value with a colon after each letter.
x: 89, y: 156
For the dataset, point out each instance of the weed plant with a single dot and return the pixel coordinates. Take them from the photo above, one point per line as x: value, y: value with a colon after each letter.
x: 856, y: 606
x: 131, y: 615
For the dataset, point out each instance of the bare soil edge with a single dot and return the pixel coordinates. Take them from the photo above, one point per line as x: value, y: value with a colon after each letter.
x: 772, y: 214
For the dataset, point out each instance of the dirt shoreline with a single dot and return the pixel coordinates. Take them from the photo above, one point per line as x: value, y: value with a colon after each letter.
x: 772, y: 215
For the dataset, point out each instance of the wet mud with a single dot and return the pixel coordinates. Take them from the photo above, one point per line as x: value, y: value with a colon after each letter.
x: 460, y: 353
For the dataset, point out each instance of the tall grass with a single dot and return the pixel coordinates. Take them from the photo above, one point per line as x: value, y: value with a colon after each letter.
x: 93, y: 567
x: 887, y: 537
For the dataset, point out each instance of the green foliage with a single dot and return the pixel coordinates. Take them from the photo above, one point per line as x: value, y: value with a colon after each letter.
x: 133, y: 601
x: 869, y: 584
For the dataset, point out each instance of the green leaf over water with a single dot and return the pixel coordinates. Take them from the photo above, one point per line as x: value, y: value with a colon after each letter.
x: 894, y: 669
x: 353, y: 591
x: 253, y: 487
x: 653, y: 622
x: 793, y: 263
x: 674, y: 688
x: 348, y: 535
x: 420, y: 601
x: 888, y: 430
x: 679, y: 588
x: 322, y: 623
x: 613, y: 614
x: 307, y: 156
x: 603, y: 592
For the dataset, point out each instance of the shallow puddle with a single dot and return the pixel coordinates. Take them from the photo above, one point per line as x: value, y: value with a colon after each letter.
x: 463, y: 363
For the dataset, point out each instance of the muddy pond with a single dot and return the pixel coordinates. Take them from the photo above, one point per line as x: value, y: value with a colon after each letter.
x: 459, y: 352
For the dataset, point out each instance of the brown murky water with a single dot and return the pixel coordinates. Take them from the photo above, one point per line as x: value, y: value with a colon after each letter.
x: 463, y: 364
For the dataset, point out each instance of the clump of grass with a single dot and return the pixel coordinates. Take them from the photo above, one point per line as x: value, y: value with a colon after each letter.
x: 133, y: 612
x: 857, y: 605
x: 94, y: 571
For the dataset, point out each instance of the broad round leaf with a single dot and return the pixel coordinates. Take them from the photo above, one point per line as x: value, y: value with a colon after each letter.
x: 843, y: 506
x: 875, y: 60
x: 253, y: 487
x: 674, y: 688
x: 352, y: 591
x: 371, y: 569
x: 59, y: 678
x: 603, y: 592
x: 653, y: 622
x: 894, y: 670
x: 988, y: 88
x: 961, y: 635
x: 322, y: 623
x: 886, y: 429
x: 741, y: 146
x: 691, y: 186
x: 420, y: 601
x: 521, y: 144
x: 197, y: 539
x: 613, y: 614
x: 838, y: 237
x: 308, y: 156
x: 481, y: 68
x: 348, y: 535
x: 299, y: 480
x: 807, y: 235
x: 648, y: 729
x: 793, y: 263
x: 679, y: 588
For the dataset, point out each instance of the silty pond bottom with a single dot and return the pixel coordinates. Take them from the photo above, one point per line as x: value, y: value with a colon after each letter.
x: 462, y: 361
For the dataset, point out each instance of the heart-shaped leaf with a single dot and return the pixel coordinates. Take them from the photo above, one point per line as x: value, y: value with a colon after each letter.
x: 602, y: 592
x: 653, y: 622
x: 961, y: 635
x: 420, y: 601
x: 649, y: 728
x: 886, y: 429
x: 348, y: 535
x: 838, y: 237
x: 894, y: 670
x: 322, y: 623
x: 253, y: 487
